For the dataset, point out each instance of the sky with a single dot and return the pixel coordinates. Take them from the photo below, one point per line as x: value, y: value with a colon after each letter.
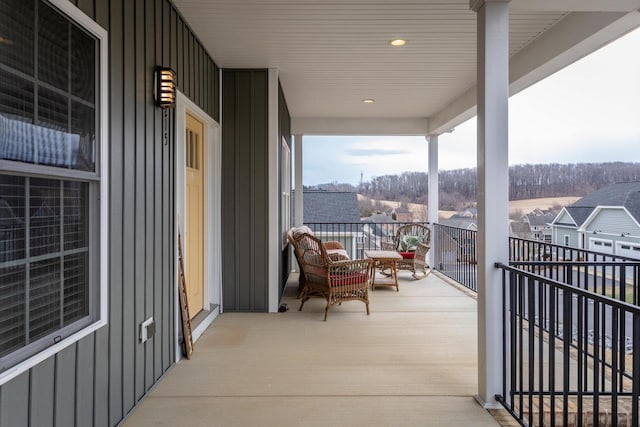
x: 586, y: 112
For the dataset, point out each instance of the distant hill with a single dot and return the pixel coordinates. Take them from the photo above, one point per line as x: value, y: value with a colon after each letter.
x: 458, y: 187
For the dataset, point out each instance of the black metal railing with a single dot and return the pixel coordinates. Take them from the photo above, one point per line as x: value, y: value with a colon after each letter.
x: 454, y: 254
x: 358, y: 236
x: 568, y: 354
x: 535, y: 250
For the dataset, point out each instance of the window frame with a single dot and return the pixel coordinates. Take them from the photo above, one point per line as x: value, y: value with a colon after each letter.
x: 285, y: 191
x: 98, y: 212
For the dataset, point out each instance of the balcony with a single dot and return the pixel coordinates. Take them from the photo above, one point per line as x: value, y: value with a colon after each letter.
x: 570, y: 318
x: 413, y: 361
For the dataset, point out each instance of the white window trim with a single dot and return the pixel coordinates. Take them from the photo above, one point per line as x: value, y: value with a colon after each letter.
x: 77, y: 16
x: 285, y: 195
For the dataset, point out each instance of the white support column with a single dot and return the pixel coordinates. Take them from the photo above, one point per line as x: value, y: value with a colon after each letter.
x: 433, y: 201
x: 493, y: 188
x: 298, y: 198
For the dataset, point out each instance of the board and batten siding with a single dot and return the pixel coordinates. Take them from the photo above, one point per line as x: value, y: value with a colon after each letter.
x: 99, y: 379
x: 245, y: 192
x: 245, y: 207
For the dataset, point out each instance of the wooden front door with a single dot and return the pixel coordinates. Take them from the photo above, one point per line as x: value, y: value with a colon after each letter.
x: 194, y: 213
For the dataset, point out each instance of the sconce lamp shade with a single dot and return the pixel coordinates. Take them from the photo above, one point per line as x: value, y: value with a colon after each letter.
x: 165, y: 87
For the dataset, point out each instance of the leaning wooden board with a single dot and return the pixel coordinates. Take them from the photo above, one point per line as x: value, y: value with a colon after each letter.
x: 184, y: 304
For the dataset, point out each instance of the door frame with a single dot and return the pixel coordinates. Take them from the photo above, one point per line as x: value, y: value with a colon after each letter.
x: 212, y: 188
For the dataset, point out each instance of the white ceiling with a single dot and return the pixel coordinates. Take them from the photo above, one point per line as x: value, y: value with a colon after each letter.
x: 332, y: 54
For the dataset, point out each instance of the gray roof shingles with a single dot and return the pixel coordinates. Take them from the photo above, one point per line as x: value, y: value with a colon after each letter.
x: 330, y: 206
x: 625, y: 194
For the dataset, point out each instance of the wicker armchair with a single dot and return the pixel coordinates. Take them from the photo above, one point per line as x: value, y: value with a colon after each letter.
x: 413, y: 242
x: 335, y: 281
x: 335, y: 251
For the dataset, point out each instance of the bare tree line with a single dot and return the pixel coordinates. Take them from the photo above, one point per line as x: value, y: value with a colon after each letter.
x: 458, y: 188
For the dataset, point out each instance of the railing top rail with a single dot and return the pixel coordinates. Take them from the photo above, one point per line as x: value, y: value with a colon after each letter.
x: 366, y: 222
x: 579, y: 263
x: 570, y: 288
x: 569, y: 248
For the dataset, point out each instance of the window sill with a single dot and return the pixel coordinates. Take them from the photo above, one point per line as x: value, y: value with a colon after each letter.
x: 34, y: 360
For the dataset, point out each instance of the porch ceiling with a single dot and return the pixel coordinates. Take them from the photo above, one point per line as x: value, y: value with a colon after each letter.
x: 332, y: 55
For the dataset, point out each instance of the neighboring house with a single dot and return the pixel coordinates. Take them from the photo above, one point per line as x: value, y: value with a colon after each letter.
x: 607, y: 220
x: 460, y: 222
x: 540, y: 224
x: 402, y: 214
x: 334, y: 215
x: 374, y: 234
x: 520, y: 229
x: 469, y: 213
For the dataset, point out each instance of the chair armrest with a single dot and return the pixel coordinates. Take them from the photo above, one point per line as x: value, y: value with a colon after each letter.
x: 388, y: 246
x: 332, y: 244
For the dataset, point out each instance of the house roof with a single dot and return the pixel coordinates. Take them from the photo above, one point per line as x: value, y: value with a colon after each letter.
x: 539, y: 220
x: 579, y: 214
x: 466, y: 223
x: 625, y: 194
x: 330, y: 206
x: 519, y: 227
x: 376, y: 229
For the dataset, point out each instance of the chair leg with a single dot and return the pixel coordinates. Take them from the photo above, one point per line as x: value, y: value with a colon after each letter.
x: 305, y: 299
x: 326, y: 311
x: 367, y: 304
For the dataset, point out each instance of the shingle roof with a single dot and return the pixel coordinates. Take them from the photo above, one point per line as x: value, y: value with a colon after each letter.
x: 625, y: 194
x: 539, y: 220
x: 330, y: 206
x: 520, y: 227
x: 579, y: 214
x: 458, y: 222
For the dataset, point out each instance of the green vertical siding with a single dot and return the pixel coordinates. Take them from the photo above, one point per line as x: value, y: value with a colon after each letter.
x: 244, y: 190
x: 99, y: 379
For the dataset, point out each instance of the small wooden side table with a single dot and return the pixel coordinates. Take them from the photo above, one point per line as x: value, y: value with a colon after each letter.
x: 384, y: 259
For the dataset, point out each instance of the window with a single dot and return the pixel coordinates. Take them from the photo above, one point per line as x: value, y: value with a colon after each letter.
x: 51, y: 182
x: 285, y: 185
x: 567, y: 240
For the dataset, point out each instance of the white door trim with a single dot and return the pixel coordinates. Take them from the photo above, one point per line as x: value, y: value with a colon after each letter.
x: 212, y: 223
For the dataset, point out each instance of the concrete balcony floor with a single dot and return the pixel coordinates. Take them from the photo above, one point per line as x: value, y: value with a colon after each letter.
x: 412, y: 362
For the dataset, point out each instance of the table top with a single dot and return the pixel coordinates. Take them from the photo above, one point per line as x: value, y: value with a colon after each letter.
x: 383, y: 255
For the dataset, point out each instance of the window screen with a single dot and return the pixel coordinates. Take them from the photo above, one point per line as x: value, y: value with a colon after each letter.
x: 43, y: 258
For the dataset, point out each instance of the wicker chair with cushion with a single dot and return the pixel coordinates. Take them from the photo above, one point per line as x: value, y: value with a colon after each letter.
x: 335, y: 251
x: 335, y: 281
x: 412, y: 241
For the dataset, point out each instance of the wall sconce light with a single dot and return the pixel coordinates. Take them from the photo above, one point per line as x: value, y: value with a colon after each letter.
x: 165, y: 88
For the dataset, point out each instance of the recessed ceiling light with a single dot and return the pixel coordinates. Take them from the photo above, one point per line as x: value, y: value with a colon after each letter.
x: 397, y: 42
x: 368, y: 101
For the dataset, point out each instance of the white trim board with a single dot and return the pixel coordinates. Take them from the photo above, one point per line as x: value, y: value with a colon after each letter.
x: 212, y: 274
